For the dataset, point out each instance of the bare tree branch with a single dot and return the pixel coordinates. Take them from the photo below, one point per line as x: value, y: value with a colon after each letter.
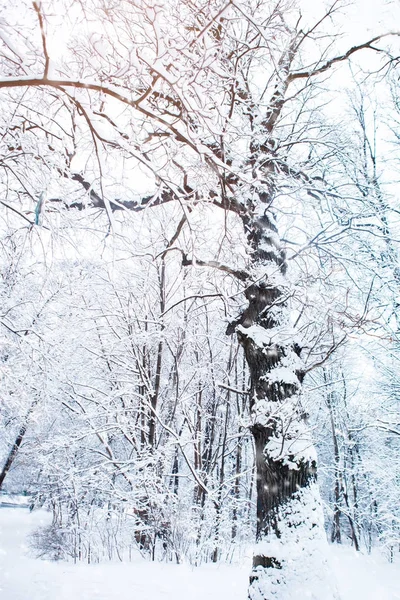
x: 341, y: 58
x: 37, y: 7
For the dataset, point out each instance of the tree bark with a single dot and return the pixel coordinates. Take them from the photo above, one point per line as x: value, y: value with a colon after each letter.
x: 287, y: 502
x: 16, y: 445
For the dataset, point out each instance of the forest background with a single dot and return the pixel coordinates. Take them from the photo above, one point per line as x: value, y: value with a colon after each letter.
x: 199, y: 259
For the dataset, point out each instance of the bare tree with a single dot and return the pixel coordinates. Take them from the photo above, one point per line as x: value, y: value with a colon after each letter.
x: 217, y: 103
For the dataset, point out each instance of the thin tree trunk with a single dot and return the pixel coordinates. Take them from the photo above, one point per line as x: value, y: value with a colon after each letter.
x: 335, y: 532
x: 236, y: 488
x: 218, y: 515
x: 16, y: 445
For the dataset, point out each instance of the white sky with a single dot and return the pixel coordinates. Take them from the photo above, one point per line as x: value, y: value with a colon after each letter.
x: 362, y: 18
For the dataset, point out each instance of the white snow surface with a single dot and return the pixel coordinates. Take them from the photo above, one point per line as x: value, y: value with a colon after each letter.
x: 25, y: 578
x: 358, y: 577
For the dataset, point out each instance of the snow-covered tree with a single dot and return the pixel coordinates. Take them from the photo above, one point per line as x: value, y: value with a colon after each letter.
x: 217, y: 108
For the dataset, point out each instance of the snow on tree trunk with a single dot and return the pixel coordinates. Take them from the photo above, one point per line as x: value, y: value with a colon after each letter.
x: 290, y: 534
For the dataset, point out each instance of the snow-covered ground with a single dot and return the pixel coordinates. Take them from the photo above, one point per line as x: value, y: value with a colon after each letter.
x: 25, y: 578
x: 359, y: 577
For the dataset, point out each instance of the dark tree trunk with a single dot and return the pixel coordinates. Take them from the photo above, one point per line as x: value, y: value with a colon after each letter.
x: 336, y: 534
x: 285, y: 465
x: 16, y: 445
x: 160, y: 349
x: 236, y: 488
x: 12, y: 454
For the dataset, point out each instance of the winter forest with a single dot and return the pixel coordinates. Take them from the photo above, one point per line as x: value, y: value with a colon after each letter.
x: 200, y: 282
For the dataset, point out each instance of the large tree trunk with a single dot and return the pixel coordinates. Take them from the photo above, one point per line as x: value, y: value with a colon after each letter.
x: 289, y: 517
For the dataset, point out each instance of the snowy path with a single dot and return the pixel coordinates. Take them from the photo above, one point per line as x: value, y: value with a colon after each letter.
x: 359, y: 577
x: 363, y: 577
